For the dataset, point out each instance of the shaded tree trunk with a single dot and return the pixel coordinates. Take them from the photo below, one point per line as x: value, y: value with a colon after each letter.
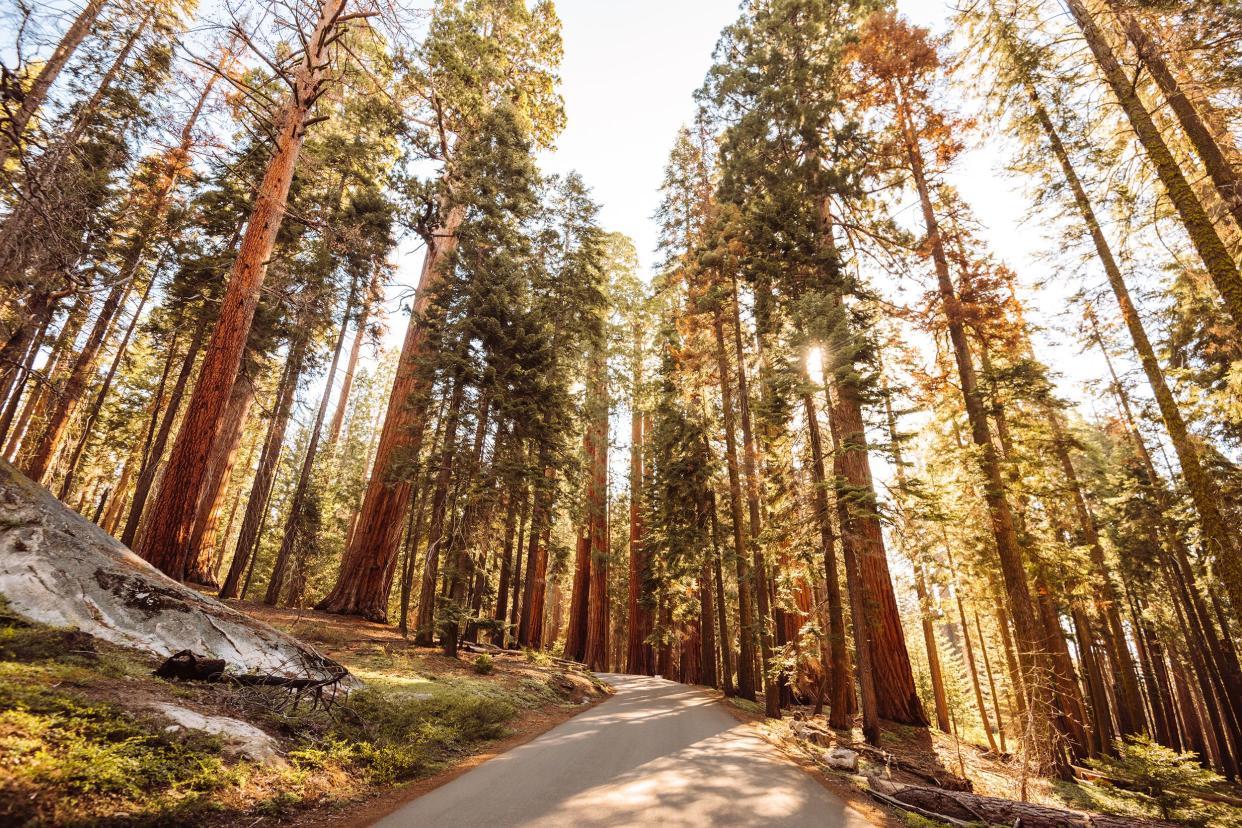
x: 639, y: 656
x: 151, y: 462
x: 265, y: 476
x: 746, y: 626
x: 297, y: 507
x: 763, y: 624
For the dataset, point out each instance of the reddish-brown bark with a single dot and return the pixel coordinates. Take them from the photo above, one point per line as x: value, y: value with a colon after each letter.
x: 166, y: 541
x: 199, y: 569
x: 365, y: 577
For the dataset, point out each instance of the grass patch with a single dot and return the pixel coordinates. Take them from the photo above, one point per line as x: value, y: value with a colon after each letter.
x: 78, y: 747
x: 745, y: 704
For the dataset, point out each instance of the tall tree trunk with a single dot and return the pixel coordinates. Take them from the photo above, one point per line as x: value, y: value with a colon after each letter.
x: 920, y: 583
x: 1212, y: 523
x: 1102, y: 733
x: 364, y: 579
x: 21, y: 376
x: 896, y: 697
x: 596, y: 650
x: 746, y: 625
x: 1039, y: 743
x: 75, y: 384
x: 16, y: 123
x: 101, y: 397
x: 763, y: 624
x: 35, y: 409
x: 149, y: 226
x: 1069, y: 698
x: 297, y: 507
x: 524, y: 520
x: 841, y: 706
x: 1224, y: 178
x: 853, y: 580
x: 501, y: 613
x: 437, y: 537
x: 722, y: 607
x: 265, y: 476
x: 351, y: 366
x: 576, y: 626
x: 32, y: 207
x: 1227, y: 678
x: 1203, y: 234
x: 219, y: 469
x: 151, y: 463
x: 165, y: 543
x: 530, y: 626
x: 638, y: 653
x: 1130, y: 714
x: 970, y: 655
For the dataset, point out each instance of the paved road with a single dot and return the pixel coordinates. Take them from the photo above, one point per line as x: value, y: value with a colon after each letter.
x: 656, y: 754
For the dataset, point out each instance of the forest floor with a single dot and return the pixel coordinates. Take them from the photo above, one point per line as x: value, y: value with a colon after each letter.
x: 88, y: 736
x: 928, y: 757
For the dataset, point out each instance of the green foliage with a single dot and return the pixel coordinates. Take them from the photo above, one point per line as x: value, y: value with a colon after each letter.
x: 484, y: 665
x: 396, y: 735
x: 58, y: 740
x: 538, y: 657
x: 1158, y: 774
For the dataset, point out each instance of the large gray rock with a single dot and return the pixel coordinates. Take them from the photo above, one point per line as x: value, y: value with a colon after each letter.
x: 58, y: 568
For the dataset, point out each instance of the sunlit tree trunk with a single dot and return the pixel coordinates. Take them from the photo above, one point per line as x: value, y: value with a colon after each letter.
x: 1203, y: 234
x: 365, y: 576
x: 1224, y: 178
x: 165, y: 543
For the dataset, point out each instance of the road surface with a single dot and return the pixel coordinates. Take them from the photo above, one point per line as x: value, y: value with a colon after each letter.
x: 655, y: 754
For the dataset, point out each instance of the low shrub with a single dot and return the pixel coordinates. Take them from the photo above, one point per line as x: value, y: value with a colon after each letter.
x: 484, y: 665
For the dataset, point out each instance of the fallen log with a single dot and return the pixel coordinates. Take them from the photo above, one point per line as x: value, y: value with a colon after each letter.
x: 958, y: 808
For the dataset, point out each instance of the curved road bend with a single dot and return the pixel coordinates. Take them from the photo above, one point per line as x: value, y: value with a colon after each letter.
x: 655, y: 754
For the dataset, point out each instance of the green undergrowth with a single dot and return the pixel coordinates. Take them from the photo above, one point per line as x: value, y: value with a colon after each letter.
x: 79, y: 744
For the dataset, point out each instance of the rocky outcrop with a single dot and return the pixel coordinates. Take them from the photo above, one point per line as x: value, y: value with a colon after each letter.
x: 59, y: 569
